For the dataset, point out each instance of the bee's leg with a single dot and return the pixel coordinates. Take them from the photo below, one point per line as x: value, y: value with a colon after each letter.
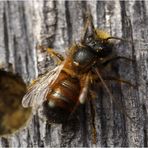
x: 119, y: 80
x: 83, y: 93
x: 116, y: 101
x: 95, y: 78
x: 54, y: 53
x: 92, y: 95
x: 93, y: 127
x: 51, y: 52
x: 105, y: 63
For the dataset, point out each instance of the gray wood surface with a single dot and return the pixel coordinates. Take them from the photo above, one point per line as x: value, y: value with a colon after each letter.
x: 24, y: 24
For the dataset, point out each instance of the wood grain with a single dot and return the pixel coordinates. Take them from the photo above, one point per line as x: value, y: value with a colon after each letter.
x: 23, y: 26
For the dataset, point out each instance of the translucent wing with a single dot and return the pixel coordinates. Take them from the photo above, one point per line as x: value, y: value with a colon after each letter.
x: 38, y: 91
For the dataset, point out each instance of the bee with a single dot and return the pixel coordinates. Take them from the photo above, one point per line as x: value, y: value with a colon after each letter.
x: 12, y: 115
x: 61, y: 90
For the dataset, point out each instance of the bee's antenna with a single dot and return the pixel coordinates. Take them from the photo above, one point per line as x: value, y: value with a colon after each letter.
x: 141, y: 41
x: 89, y: 29
x: 89, y: 17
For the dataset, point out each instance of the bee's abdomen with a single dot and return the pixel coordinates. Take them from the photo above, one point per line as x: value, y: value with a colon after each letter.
x: 65, y: 94
x: 62, y: 98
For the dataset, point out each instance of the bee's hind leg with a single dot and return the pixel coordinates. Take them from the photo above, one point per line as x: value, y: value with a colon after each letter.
x: 83, y: 93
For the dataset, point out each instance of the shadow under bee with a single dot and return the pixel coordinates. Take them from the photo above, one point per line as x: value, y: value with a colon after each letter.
x: 12, y: 115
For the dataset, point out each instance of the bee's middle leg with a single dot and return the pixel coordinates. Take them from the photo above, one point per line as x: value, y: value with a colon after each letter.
x: 111, y: 78
x: 52, y: 52
x: 119, y: 80
x: 105, y: 63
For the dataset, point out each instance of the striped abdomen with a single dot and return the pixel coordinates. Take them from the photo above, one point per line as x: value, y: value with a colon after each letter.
x: 62, y: 98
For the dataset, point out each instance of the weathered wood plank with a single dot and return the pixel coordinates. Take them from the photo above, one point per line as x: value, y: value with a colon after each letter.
x: 24, y: 23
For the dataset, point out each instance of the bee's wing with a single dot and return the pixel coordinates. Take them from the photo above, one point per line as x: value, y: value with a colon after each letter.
x: 38, y: 91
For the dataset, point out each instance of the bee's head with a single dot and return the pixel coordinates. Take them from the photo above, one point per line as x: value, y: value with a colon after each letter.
x: 96, y: 40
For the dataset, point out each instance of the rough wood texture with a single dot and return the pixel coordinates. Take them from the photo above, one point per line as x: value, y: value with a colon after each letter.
x: 22, y: 25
